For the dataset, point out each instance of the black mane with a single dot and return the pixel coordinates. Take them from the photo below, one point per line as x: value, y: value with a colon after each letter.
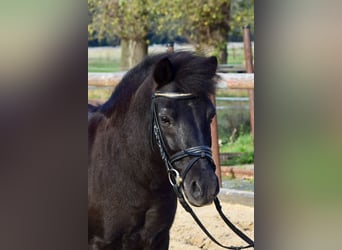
x: 193, y: 74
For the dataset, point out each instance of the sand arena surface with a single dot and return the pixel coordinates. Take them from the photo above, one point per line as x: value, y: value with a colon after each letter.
x: 187, y: 235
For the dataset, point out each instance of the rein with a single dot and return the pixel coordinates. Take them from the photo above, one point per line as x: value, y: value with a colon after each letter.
x: 176, y: 180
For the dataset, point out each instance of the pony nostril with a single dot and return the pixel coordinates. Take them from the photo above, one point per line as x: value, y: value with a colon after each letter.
x: 196, y: 189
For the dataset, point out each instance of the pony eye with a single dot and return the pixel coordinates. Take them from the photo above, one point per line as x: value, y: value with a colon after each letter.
x: 164, y: 119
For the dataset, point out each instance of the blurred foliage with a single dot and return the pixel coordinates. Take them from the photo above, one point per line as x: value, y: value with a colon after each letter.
x: 128, y: 19
x: 233, y: 120
x: 245, y: 158
x: 204, y: 23
x: 242, y: 14
x: 242, y: 144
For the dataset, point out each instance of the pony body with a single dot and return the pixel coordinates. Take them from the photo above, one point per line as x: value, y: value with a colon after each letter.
x: 131, y: 204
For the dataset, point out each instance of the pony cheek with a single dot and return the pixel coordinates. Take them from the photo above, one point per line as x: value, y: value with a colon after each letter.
x: 172, y: 143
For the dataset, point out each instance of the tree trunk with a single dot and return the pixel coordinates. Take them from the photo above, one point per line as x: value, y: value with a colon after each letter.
x: 132, y: 52
x: 214, y: 45
x: 222, y: 54
x: 220, y: 36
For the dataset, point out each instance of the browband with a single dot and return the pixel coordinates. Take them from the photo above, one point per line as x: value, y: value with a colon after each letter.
x: 172, y: 94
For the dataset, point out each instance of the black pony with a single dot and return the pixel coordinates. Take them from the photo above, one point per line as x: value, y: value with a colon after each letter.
x: 153, y: 130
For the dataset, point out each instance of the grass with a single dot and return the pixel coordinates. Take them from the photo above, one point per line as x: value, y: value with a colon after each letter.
x: 103, y: 65
x: 243, y: 144
x: 107, y: 59
x: 232, y: 93
x: 104, y: 59
x: 246, y: 158
x: 236, y: 56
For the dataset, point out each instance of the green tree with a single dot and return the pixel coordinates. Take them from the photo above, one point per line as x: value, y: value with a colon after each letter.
x: 242, y: 14
x: 127, y: 19
x: 205, y: 23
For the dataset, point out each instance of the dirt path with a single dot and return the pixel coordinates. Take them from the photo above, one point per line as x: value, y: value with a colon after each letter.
x: 186, y: 234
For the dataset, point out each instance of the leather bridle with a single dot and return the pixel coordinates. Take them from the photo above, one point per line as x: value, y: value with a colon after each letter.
x: 196, y: 153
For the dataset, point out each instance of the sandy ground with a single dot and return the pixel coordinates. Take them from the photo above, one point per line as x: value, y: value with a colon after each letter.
x: 187, y: 235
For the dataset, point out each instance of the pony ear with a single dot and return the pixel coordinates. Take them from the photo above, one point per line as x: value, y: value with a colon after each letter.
x: 163, y: 72
x: 212, y: 61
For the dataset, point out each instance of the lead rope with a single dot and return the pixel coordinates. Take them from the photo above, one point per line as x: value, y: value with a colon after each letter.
x: 176, y: 180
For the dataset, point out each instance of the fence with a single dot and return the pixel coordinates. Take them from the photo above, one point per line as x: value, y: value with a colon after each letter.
x: 233, y: 81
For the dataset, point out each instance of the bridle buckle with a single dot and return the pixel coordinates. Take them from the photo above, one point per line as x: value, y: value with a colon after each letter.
x: 174, y: 177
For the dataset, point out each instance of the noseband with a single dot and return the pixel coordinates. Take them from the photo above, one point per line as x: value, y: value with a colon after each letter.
x: 196, y: 153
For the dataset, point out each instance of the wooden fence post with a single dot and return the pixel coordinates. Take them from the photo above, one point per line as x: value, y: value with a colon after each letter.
x: 215, y: 145
x: 249, y: 69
